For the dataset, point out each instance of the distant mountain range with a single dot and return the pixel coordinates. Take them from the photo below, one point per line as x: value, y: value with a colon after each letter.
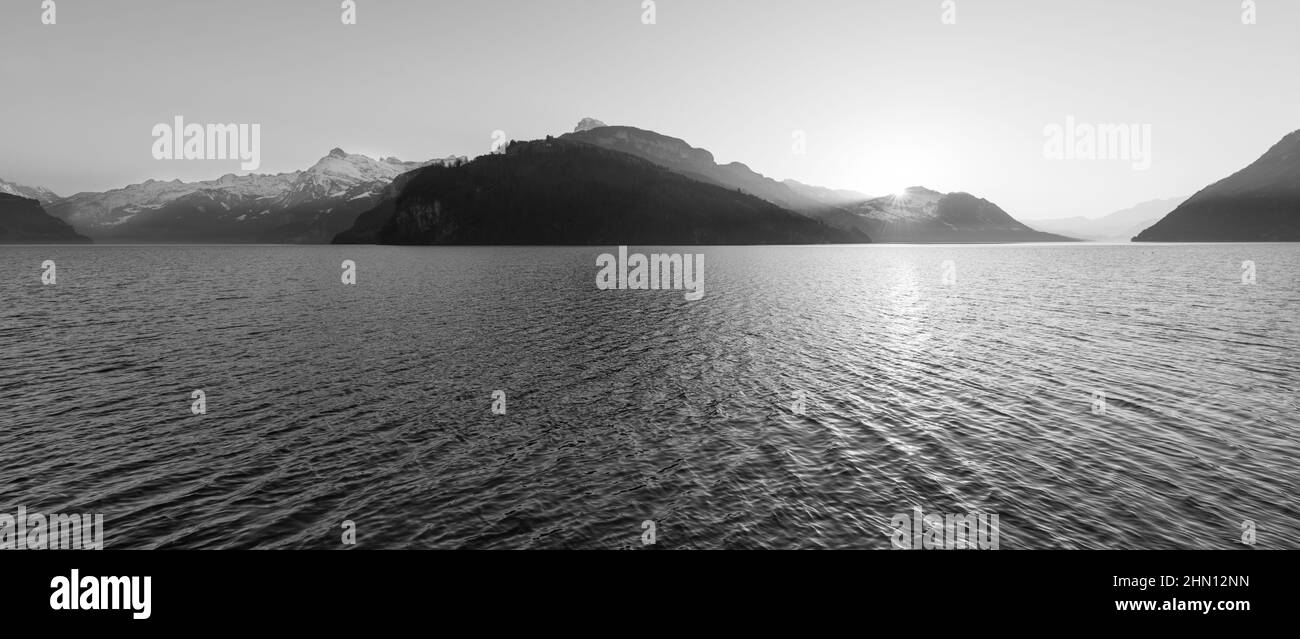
x: 627, y: 185
x: 309, y: 206
x: 1119, y: 226
x: 22, y: 220
x: 353, y: 198
x: 561, y: 191
x: 1260, y: 203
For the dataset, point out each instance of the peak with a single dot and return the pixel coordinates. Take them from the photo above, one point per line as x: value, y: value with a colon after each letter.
x: 337, y: 153
x: 587, y: 124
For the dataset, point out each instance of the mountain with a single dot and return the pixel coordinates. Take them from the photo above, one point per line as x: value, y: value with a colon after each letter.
x: 922, y: 215
x: 22, y: 220
x: 1115, y: 227
x: 676, y: 155
x: 963, y: 219
x: 309, y: 206
x: 560, y: 191
x: 38, y: 193
x: 1260, y: 203
x: 828, y: 197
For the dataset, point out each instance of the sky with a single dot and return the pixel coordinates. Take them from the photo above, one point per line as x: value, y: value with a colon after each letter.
x: 870, y: 95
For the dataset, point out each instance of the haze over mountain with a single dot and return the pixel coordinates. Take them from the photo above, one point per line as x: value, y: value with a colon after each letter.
x: 309, y: 206
x: 883, y: 219
x: 1260, y: 203
x: 1119, y: 226
x: 698, y: 164
x: 921, y: 215
x: 828, y: 197
x: 22, y: 220
x: 562, y: 191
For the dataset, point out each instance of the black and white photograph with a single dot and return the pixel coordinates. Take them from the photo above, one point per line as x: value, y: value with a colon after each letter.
x: 954, y: 276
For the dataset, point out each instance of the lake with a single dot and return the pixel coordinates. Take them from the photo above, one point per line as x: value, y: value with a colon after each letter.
x: 1092, y: 396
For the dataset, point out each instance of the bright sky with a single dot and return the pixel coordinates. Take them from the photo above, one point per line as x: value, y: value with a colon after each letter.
x: 885, y: 93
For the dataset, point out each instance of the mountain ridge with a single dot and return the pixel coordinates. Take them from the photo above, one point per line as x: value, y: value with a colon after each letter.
x: 38, y: 193
x: 561, y: 191
x: 839, y: 209
x: 1259, y: 203
x: 309, y: 205
x: 24, y: 221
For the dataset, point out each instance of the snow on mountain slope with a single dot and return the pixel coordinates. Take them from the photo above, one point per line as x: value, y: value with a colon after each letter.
x: 235, y: 208
x: 38, y: 193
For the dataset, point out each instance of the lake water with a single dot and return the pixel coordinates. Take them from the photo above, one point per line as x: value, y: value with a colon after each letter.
x: 371, y: 402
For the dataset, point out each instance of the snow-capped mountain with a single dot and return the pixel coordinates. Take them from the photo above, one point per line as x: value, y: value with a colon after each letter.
x: 38, y: 193
x: 297, y: 207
